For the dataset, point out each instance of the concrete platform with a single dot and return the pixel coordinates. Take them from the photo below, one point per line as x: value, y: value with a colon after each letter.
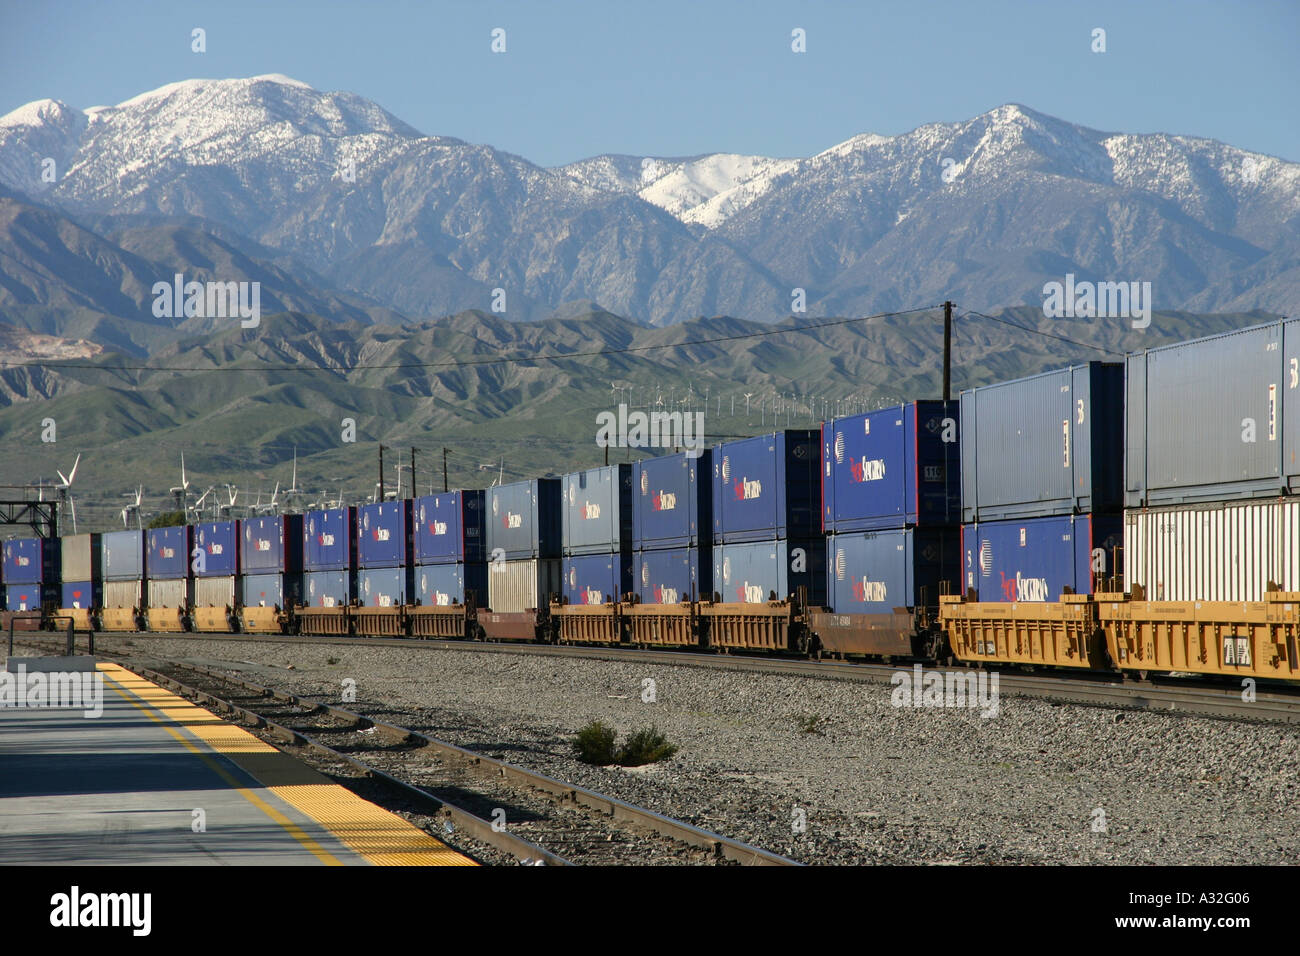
x: 124, y: 788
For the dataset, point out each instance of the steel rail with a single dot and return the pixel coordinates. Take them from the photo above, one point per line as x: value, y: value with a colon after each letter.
x: 719, y: 845
x: 1193, y: 695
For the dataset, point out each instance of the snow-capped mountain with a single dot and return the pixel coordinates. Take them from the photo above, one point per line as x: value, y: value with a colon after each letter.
x: 983, y: 211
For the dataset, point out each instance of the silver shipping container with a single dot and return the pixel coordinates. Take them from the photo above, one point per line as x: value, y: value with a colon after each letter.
x: 123, y: 557
x: 121, y: 594
x: 80, y: 562
x: 515, y: 586
x: 214, y: 592
x: 174, y: 592
x: 1215, y: 418
x: 1219, y: 552
x: 1048, y: 445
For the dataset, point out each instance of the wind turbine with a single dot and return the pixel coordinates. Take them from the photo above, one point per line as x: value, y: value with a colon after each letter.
x: 65, y: 490
x: 270, y: 508
x: 293, y: 490
x: 181, y: 491
x: 231, y: 494
x: 134, y: 507
x: 198, y: 505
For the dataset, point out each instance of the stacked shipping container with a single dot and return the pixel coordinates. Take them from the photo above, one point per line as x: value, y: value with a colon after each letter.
x: 271, y: 561
x: 672, y: 521
x: 329, y: 559
x: 1212, y: 463
x: 80, y: 572
x: 31, y: 573
x: 216, y: 564
x: 596, y: 528
x: 890, y: 506
x: 523, y: 542
x: 767, y: 538
x: 122, y: 561
x: 1042, y: 483
x: 384, y: 573
x: 448, y: 548
x: 169, y: 584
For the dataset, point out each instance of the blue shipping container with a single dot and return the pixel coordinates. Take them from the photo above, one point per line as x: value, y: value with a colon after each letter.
x: 441, y: 585
x: 673, y: 575
x: 271, y: 590
x: 328, y: 588
x: 384, y: 587
x: 218, y: 544
x: 122, y: 555
x: 80, y: 595
x: 874, y: 572
x: 384, y: 534
x: 327, y: 538
x: 1036, y: 559
x: 596, y: 578
x: 596, y: 510
x: 891, y: 468
x: 767, y: 487
x: 169, y: 553
x: 271, y: 543
x: 31, y: 560
x: 30, y: 597
x: 449, y: 528
x: 1052, y: 444
x: 750, y: 573
x: 524, y: 519
x: 672, y: 504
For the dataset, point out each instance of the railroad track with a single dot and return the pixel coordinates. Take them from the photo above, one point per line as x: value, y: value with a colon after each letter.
x: 532, y: 817
x: 1191, y: 695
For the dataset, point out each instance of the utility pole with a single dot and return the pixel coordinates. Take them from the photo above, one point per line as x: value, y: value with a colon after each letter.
x: 412, y: 471
x: 444, y: 469
x: 381, y: 473
x: 947, y: 351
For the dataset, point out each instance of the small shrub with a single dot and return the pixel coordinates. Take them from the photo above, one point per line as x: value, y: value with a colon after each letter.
x: 645, y: 746
x: 810, y: 724
x: 595, y: 744
x: 332, y: 661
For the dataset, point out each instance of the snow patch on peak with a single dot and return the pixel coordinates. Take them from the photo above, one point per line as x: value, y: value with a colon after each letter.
x: 281, y: 79
x: 853, y: 145
x: 38, y: 113
x: 198, y: 86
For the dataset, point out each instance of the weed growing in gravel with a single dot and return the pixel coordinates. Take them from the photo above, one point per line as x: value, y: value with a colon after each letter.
x: 595, y: 744
x: 332, y: 661
x: 810, y: 724
x: 645, y: 746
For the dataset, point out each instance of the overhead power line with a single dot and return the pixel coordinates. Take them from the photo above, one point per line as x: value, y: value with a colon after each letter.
x: 1047, y: 335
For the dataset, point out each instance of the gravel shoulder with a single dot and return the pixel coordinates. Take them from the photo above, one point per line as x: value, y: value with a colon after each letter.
x: 871, y: 783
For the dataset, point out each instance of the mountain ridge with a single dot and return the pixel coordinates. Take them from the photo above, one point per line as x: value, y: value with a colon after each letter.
x: 984, y: 210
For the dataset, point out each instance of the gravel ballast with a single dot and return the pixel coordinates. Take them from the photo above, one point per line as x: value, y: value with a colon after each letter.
x: 829, y: 771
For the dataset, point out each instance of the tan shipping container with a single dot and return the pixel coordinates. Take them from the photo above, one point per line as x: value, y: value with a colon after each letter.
x: 78, y: 564
x: 515, y: 586
x: 214, y: 592
x: 122, y: 594
x: 169, y: 593
x: 1217, y: 552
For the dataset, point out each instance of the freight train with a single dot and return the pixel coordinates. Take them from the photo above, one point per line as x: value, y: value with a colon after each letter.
x: 1134, y: 517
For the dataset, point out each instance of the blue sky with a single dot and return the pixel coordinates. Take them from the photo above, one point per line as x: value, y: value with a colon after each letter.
x: 680, y: 78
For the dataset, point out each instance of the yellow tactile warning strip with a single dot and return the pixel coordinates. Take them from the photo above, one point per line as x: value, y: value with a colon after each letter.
x: 382, y: 838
